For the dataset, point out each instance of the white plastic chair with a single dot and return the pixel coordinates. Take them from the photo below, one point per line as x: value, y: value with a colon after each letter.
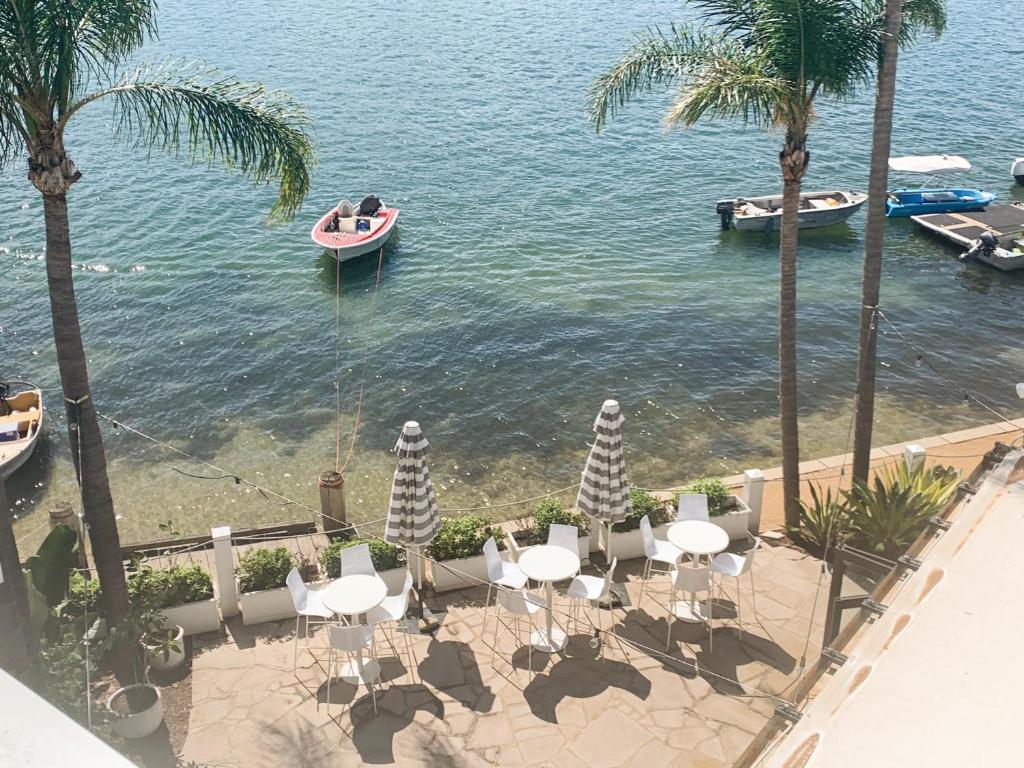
x: 357, y: 560
x: 692, y: 506
x: 726, y: 564
x: 308, y: 605
x: 389, y: 613
x: 657, y: 551
x: 595, y: 589
x: 692, y: 580
x: 500, y: 573
x: 564, y: 536
x: 521, y: 605
x: 351, y: 640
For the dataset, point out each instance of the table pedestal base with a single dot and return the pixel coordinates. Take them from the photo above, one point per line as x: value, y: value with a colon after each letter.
x: 684, y: 610
x: 540, y: 641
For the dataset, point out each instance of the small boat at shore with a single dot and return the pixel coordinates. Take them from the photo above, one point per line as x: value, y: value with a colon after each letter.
x: 994, y: 237
x: 352, y: 231
x: 21, y: 421
x: 1017, y: 170
x: 924, y: 201
x: 764, y: 214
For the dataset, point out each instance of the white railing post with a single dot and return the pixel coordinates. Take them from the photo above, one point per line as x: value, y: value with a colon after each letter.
x: 224, y: 571
x: 753, y: 495
x: 914, y: 455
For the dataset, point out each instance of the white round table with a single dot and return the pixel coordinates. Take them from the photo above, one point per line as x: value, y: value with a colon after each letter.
x: 695, y: 538
x: 548, y: 564
x: 353, y: 596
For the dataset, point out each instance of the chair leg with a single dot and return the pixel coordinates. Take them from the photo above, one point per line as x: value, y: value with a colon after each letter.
x: 295, y: 645
x: 671, y: 617
x: 753, y: 594
x: 330, y: 670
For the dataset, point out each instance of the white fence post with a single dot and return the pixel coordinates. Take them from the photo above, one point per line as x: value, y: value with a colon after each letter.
x: 224, y: 571
x: 753, y: 494
x: 914, y: 455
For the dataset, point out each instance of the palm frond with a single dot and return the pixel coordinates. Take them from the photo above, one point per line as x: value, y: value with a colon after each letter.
x: 262, y: 134
x: 922, y: 16
x: 655, y: 59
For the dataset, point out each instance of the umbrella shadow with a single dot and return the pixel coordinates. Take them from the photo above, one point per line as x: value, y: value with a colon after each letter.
x: 451, y: 666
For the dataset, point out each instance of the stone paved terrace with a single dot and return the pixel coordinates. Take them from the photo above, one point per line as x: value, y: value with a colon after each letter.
x: 456, y: 709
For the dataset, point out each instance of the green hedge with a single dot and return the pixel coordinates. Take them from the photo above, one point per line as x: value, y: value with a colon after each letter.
x: 643, y: 503
x: 260, y: 569
x: 716, y: 491
x: 177, y: 585
x: 463, y: 536
x: 385, y: 556
x: 551, y: 512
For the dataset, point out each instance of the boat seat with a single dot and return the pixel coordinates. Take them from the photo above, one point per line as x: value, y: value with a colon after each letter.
x: 348, y: 226
x: 753, y: 210
x: 20, y: 420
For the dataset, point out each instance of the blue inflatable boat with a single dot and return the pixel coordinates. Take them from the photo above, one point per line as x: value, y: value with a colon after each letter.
x: 919, y: 202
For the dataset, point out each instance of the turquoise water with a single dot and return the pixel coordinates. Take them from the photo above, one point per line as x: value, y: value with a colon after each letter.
x: 538, y: 270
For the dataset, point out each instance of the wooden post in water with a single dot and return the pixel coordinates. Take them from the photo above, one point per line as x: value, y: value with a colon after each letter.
x: 332, y: 505
x: 64, y: 514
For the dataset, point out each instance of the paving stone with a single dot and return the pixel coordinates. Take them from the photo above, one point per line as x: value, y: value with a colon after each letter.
x: 491, y: 731
x: 610, y: 740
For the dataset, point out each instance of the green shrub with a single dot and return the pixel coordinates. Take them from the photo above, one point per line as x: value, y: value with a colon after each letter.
x: 463, y: 536
x: 83, y: 597
x: 716, y: 491
x: 551, y: 512
x: 822, y: 519
x: 642, y: 503
x: 166, y: 588
x: 260, y: 569
x: 385, y: 556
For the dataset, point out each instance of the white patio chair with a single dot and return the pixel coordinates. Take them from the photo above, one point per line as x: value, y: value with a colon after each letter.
x: 389, y: 613
x: 500, y: 573
x: 657, y: 551
x: 564, y: 536
x: 308, y: 605
x: 726, y: 564
x: 521, y: 605
x: 593, y: 589
x: 352, y: 641
x: 691, y: 580
x: 357, y: 560
x: 692, y: 506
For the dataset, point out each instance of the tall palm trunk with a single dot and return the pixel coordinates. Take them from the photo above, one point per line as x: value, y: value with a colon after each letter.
x: 83, y: 426
x: 14, y: 623
x: 793, y: 160
x: 874, y: 239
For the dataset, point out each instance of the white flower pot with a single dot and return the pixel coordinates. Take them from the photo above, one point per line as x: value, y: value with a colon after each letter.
x: 194, y: 618
x: 137, y: 725
x: 174, y: 657
x: 735, y: 522
x: 517, y: 549
x: 267, y: 605
x: 444, y: 580
x: 628, y: 545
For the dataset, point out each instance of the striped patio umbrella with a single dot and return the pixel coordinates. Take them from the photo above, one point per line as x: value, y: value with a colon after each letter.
x: 604, y: 486
x: 413, y: 520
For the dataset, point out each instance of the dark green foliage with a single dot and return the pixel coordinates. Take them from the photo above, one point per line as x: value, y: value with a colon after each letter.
x: 463, y: 536
x: 821, y: 520
x: 177, y: 585
x: 551, y: 512
x: 50, y: 568
x: 716, y: 491
x: 385, y: 556
x: 260, y: 569
x: 83, y: 597
x: 643, y: 503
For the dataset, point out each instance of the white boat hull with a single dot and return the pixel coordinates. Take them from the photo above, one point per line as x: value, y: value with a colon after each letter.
x: 367, y: 246
x: 14, y: 453
x: 764, y: 214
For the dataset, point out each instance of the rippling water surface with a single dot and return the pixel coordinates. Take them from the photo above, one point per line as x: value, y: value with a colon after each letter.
x: 539, y: 268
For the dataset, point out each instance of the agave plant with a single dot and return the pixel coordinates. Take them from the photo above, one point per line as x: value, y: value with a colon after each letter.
x: 884, y: 516
x: 821, y: 519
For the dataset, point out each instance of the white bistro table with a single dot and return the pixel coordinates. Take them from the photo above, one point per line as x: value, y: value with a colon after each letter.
x: 352, y: 596
x: 695, y: 538
x: 548, y: 564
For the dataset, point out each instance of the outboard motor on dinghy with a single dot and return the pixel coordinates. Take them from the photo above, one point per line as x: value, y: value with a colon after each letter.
x: 724, y: 210
x: 369, y: 206
x: 986, y: 243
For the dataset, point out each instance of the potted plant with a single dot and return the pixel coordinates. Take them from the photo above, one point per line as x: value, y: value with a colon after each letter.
x: 550, y: 512
x: 137, y: 710
x: 625, y: 540
x: 262, y: 592
x: 183, y: 595
x: 459, y: 544
x: 726, y: 510
x: 388, y: 559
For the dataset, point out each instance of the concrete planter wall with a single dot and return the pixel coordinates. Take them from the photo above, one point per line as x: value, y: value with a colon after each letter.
x: 444, y: 580
x: 267, y: 605
x: 194, y: 618
x: 517, y: 549
x: 736, y: 521
x: 628, y: 545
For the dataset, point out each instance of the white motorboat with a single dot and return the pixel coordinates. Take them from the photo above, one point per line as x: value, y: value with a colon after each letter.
x: 351, y: 231
x: 764, y: 214
x: 21, y: 421
x: 1017, y: 170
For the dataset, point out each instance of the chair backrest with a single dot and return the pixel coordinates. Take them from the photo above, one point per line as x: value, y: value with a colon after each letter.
x: 692, y: 506
x: 493, y: 559
x: 516, y: 601
x: 357, y: 560
x: 351, y: 638
x: 647, y: 536
x: 346, y: 210
x: 406, y: 591
x: 565, y: 536
x: 690, y: 579
x: 297, y: 589
x: 748, y: 558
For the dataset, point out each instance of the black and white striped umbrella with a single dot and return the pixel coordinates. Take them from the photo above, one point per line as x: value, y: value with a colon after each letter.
x: 604, y: 486
x: 413, y: 520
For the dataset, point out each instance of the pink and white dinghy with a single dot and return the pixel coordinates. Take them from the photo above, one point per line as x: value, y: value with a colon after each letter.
x: 351, y: 231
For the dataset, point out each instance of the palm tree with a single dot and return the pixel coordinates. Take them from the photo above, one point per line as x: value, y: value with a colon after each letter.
x: 901, y: 20
x: 59, y: 57
x: 763, y: 62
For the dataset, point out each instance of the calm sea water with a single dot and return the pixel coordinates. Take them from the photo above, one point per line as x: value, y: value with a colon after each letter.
x: 539, y: 268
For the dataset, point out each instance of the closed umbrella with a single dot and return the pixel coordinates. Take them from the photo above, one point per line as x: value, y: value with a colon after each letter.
x: 604, y: 486
x: 412, y: 519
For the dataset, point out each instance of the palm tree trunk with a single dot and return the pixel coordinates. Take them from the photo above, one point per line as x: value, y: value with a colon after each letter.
x: 14, y: 620
x: 83, y: 427
x: 874, y: 240
x: 793, y: 161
